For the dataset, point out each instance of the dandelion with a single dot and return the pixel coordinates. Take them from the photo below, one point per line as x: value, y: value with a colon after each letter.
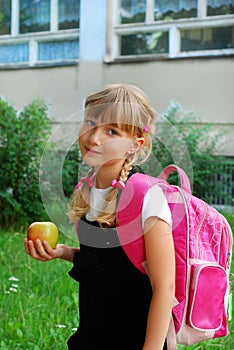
x: 12, y: 278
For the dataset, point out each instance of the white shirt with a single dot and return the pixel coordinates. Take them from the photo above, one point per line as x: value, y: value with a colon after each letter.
x: 155, y: 204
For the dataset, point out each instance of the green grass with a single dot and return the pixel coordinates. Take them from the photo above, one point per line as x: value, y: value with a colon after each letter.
x: 39, y: 309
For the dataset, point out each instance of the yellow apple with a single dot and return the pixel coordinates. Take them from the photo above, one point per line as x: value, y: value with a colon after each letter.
x: 44, y: 231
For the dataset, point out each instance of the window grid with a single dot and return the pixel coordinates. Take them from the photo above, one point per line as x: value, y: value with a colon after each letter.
x: 174, y: 27
x: 32, y: 40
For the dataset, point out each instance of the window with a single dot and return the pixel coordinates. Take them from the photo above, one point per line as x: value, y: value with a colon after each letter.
x: 132, y: 11
x: 5, y: 17
x: 171, y: 29
x: 207, y: 39
x: 34, y: 16
x: 39, y: 32
x: 172, y: 10
x: 69, y: 14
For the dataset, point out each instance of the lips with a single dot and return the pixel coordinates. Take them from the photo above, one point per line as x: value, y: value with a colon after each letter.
x: 91, y: 150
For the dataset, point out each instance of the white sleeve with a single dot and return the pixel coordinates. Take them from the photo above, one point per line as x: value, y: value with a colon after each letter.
x: 155, y: 204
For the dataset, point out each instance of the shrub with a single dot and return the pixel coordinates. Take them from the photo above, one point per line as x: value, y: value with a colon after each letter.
x: 182, y: 135
x: 70, y: 170
x: 23, y: 135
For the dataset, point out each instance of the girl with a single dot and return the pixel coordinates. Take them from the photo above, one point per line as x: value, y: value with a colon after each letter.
x: 120, y: 308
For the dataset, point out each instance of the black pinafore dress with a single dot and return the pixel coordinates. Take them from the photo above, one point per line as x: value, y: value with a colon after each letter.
x: 114, y: 297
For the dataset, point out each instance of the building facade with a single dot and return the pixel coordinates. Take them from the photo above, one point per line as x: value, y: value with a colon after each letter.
x: 62, y: 50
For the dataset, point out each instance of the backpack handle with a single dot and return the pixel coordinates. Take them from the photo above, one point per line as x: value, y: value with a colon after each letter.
x: 184, y: 180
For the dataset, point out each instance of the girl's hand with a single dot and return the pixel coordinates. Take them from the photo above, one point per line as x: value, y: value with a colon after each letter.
x: 42, y: 250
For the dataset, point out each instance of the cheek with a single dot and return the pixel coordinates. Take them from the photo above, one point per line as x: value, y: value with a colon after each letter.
x: 124, y: 144
x: 82, y: 135
x: 79, y: 140
x: 118, y: 147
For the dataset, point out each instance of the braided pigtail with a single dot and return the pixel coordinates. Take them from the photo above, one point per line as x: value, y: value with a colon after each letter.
x: 108, y: 216
x: 127, y: 167
x: 79, y: 203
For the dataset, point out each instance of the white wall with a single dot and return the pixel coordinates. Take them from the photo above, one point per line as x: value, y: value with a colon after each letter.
x: 204, y: 85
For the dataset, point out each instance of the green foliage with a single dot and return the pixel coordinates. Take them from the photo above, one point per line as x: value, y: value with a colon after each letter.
x: 187, y: 137
x: 70, y: 170
x: 230, y: 219
x: 38, y: 302
x: 23, y: 136
x: 58, y: 177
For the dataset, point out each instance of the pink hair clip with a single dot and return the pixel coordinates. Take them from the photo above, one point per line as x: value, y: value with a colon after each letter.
x: 87, y: 179
x: 147, y: 128
x: 118, y: 184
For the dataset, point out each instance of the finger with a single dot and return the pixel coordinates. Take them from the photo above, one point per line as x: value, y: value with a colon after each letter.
x: 39, y: 247
x: 47, y: 247
x: 33, y: 251
x: 26, y: 245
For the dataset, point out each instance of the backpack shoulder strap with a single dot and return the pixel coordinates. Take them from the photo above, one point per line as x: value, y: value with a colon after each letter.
x: 184, y: 180
x: 129, y: 222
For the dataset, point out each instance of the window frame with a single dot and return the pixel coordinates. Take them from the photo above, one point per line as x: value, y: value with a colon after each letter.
x: 34, y: 38
x: 116, y: 30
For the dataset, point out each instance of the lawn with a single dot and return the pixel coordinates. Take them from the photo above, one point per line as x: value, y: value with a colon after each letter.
x: 38, y: 303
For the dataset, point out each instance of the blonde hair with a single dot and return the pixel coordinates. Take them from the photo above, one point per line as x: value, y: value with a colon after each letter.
x: 127, y: 107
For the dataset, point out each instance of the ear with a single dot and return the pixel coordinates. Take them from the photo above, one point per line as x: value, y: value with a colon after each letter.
x: 136, y: 145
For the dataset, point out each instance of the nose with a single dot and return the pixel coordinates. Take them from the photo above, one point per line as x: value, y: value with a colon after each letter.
x: 95, y: 136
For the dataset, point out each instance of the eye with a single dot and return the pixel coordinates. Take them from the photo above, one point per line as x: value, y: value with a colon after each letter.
x: 90, y: 123
x: 112, y: 132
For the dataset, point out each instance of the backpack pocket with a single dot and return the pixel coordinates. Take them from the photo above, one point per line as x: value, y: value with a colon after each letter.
x: 207, y: 294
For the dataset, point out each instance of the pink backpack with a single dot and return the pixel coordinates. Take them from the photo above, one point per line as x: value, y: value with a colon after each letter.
x: 203, y: 249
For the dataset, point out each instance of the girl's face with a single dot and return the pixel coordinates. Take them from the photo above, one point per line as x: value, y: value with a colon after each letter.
x: 103, y: 144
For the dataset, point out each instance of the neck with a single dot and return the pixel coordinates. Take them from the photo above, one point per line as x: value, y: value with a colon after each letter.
x: 106, y: 174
